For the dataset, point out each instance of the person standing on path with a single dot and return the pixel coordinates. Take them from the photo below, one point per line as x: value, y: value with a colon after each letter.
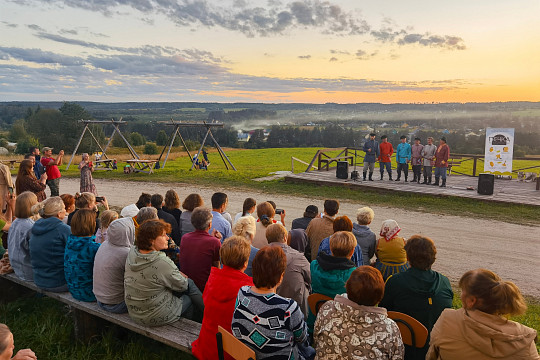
x: 416, y: 151
x: 385, y: 155
x: 87, y: 181
x: 441, y: 162
x: 403, y: 156
x: 371, y: 147
x: 51, y: 168
x: 38, y: 167
x: 428, y: 154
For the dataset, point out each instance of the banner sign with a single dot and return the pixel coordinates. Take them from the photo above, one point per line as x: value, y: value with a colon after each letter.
x: 499, y: 150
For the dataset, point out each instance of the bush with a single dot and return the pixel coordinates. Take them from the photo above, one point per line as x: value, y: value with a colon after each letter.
x: 150, y: 149
x: 23, y: 146
x: 161, y: 138
x: 137, y: 139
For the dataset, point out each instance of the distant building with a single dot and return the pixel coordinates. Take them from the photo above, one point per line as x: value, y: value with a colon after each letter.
x: 242, y: 136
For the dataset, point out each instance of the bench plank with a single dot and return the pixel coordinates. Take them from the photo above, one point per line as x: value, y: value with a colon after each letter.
x: 179, y: 334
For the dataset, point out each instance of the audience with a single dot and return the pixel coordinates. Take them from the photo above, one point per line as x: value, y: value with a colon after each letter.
x: 200, y: 250
x: 480, y: 330
x: 219, y: 223
x: 342, y: 223
x: 265, y: 213
x: 248, y: 208
x: 299, y: 240
x: 245, y: 226
x: 419, y: 292
x: 156, y: 292
x: 366, y: 239
x: 302, y: 223
x: 7, y: 346
x: 172, y: 205
x: 220, y: 295
x: 146, y: 213
x: 330, y: 272
x: 145, y: 200
x: 27, y: 181
x: 391, y: 254
x: 47, y: 245
x: 321, y: 227
x: 259, y: 310
x: 296, y: 282
x: 106, y: 218
x: 79, y: 256
x: 110, y: 264
x: 19, y: 236
x: 157, y: 201
x: 353, y: 327
x: 191, y: 202
x: 87, y: 200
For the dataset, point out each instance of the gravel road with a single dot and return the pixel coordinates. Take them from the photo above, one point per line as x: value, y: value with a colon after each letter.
x: 512, y: 251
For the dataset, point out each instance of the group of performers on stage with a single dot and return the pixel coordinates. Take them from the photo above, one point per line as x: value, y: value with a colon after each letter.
x: 420, y: 156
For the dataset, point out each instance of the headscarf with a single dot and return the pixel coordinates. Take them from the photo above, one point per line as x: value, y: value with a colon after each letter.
x: 389, y: 229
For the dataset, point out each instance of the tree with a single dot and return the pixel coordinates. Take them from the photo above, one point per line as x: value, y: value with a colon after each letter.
x: 150, y: 149
x: 24, y: 144
x: 161, y: 138
x: 137, y: 139
x: 17, y: 131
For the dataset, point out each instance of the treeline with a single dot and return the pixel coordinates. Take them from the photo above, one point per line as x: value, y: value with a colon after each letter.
x: 241, y: 115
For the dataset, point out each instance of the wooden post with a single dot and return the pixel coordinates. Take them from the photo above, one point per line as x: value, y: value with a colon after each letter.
x: 110, y: 141
x: 170, y: 145
x: 538, y: 183
x: 133, y: 152
x: 475, y: 158
x: 86, y: 326
x: 76, y: 147
x: 221, y: 152
x: 292, y: 164
x: 200, y: 149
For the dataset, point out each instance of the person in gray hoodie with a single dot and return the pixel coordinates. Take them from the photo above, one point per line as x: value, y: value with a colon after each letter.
x: 156, y: 292
x: 110, y: 264
x: 366, y: 239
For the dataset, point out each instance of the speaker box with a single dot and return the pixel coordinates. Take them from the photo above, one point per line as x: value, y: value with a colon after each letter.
x: 486, y: 183
x: 342, y: 170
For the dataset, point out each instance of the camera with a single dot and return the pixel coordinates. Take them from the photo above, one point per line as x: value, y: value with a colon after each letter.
x: 279, y: 211
x: 99, y: 198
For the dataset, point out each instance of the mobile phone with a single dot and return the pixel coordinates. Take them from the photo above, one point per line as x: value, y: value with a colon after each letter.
x: 99, y: 198
x: 10, y: 190
x: 279, y: 211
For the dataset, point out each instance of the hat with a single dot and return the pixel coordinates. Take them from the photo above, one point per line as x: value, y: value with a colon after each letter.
x: 312, y: 209
x: 372, y: 134
x: 46, y: 148
x: 129, y: 211
x: 443, y: 139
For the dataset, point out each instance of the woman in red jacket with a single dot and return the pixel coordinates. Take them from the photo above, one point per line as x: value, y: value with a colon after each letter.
x: 220, y: 295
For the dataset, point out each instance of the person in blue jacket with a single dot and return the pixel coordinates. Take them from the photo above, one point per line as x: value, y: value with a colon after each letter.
x: 47, y: 245
x: 81, y: 250
x: 403, y: 156
x: 371, y: 147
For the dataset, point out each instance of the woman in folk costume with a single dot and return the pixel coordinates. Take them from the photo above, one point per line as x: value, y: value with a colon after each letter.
x: 391, y: 255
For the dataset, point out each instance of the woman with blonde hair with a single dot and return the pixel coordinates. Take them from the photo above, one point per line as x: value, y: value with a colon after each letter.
x: 87, y: 181
x: 480, y: 330
x: 19, y: 236
x: 27, y: 181
x: 7, y: 346
x: 265, y: 214
x: 245, y: 226
x: 390, y: 251
x: 47, y: 245
x: 172, y: 205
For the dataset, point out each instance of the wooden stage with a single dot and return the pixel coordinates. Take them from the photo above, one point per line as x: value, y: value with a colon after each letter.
x: 505, y: 191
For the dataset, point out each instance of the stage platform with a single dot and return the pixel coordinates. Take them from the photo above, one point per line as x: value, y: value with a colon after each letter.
x: 505, y: 191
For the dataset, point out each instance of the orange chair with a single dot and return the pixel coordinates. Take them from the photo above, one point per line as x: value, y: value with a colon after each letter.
x: 227, y: 343
x: 413, y: 332
x: 315, y: 301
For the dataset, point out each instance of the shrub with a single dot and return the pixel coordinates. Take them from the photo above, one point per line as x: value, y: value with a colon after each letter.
x: 150, y: 149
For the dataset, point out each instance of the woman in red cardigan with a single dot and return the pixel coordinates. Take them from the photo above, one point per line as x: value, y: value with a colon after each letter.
x: 220, y: 295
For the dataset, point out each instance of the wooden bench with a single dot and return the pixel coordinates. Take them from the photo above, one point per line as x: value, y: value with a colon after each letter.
x: 145, y: 166
x: 11, y: 163
x: 327, y: 162
x: 105, y: 164
x: 88, y: 316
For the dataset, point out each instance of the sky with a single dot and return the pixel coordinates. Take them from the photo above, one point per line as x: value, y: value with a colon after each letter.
x: 342, y: 51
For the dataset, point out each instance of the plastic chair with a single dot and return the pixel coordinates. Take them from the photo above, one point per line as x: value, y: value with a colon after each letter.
x: 413, y: 332
x: 315, y: 301
x: 227, y: 343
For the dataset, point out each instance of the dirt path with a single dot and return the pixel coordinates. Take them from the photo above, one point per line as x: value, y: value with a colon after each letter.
x: 512, y: 251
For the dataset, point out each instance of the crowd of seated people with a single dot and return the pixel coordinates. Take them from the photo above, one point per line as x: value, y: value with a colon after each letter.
x: 252, y: 276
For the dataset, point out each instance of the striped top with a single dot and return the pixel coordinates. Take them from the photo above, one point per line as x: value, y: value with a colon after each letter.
x: 269, y: 324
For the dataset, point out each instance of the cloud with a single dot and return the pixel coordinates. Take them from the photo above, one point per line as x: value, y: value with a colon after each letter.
x: 39, y: 56
x: 69, y: 31
x: 304, y: 57
x: 332, y: 59
x: 8, y: 24
x: 339, y: 52
x: 35, y: 27
x: 364, y: 55
x: 447, y: 42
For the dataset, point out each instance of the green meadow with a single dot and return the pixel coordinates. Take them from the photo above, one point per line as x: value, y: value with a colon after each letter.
x: 257, y: 163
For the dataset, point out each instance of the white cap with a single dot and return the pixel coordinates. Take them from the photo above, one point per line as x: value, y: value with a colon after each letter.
x: 129, y: 211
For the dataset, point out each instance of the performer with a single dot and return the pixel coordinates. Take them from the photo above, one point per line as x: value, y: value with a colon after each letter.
x: 428, y: 153
x: 416, y: 151
x: 385, y: 161
x: 441, y: 162
x: 51, y: 168
x: 371, y: 147
x: 403, y: 156
x: 87, y: 181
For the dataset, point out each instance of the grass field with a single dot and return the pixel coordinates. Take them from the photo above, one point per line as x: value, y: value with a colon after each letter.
x: 258, y: 163
x: 45, y: 326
